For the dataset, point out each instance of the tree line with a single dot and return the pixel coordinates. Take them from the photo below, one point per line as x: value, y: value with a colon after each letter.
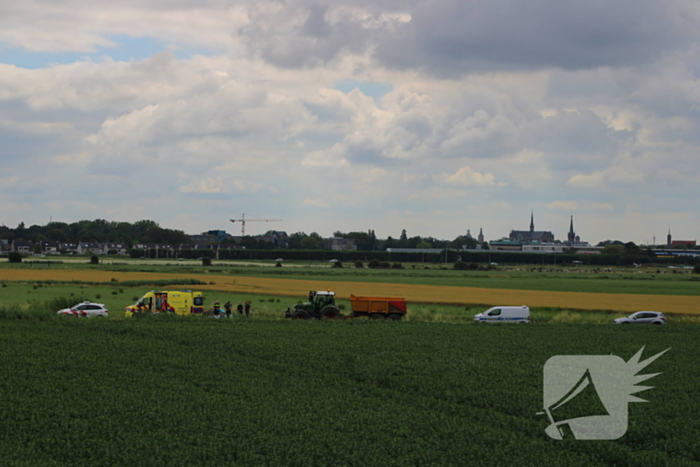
x: 100, y: 230
x: 148, y: 231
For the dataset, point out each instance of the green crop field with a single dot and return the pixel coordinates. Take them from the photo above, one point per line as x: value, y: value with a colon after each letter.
x: 169, y: 392
x: 652, y: 281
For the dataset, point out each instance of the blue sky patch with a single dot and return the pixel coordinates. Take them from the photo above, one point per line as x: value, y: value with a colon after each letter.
x: 127, y: 49
x: 368, y: 88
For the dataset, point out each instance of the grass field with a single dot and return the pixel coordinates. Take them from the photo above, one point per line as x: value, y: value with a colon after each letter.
x: 416, y: 293
x: 435, y: 389
x: 169, y: 392
x: 643, y: 281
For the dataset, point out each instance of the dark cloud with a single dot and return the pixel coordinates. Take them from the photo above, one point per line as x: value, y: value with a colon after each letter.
x: 312, y: 42
x: 451, y: 37
x: 576, y: 140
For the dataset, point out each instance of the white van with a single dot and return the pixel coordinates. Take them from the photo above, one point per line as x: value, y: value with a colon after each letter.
x: 505, y: 314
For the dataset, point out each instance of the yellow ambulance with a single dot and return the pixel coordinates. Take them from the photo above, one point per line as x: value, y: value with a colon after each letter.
x: 181, y: 302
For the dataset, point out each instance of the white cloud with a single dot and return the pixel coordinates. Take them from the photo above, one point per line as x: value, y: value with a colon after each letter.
x: 218, y: 185
x: 254, y: 121
x: 316, y: 202
x: 563, y: 205
x: 602, y: 206
x: 466, y: 176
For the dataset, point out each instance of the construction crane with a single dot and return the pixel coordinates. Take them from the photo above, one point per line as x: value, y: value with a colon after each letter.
x: 243, y: 220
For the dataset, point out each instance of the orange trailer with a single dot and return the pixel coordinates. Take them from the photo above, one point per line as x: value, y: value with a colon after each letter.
x: 378, y: 307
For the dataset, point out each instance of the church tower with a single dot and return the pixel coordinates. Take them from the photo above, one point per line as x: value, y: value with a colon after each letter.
x: 572, y: 234
x: 532, y: 221
x: 481, y: 235
x: 668, y: 238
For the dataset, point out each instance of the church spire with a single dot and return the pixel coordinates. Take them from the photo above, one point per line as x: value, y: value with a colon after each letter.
x: 532, y: 221
x: 572, y: 234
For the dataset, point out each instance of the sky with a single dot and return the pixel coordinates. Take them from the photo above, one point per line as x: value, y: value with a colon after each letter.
x: 431, y: 116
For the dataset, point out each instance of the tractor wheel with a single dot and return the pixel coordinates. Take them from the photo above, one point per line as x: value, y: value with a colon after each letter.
x: 330, y: 313
x: 376, y: 316
x: 300, y: 315
x: 394, y: 317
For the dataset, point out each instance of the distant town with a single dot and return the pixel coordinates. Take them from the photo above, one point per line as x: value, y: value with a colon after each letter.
x: 100, y: 237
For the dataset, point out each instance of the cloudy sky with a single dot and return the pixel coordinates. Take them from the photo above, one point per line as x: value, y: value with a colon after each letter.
x: 431, y: 116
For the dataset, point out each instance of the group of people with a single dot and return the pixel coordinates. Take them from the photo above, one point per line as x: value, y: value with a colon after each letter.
x: 241, y: 308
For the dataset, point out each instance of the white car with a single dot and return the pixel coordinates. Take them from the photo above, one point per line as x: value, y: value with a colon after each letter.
x: 85, y: 310
x: 643, y: 317
x: 505, y: 314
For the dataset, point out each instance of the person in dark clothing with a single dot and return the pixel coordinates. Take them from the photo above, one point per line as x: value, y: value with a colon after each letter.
x: 227, y: 307
x: 247, y: 309
x: 239, y: 308
x: 217, y: 309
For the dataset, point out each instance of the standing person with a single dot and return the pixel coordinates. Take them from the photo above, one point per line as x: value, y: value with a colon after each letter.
x: 217, y: 309
x: 247, y: 309
x: 227, y: 307
x: 239, y: 308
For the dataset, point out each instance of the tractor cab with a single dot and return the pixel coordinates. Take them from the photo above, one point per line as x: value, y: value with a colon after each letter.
x: 321, y: 299
x: 320, y: 304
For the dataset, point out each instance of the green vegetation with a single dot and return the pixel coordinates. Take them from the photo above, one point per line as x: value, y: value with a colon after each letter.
x: 164, y: 392
x: 14, y: 257
x: 652, y: 281
x: 99, y: 230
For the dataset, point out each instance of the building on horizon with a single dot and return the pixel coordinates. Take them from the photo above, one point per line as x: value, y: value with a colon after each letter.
x: 574, y: 240
x: 671, y: 243
x: 526, y: 237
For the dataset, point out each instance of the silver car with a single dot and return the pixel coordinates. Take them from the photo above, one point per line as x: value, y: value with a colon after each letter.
x: 643, y: 317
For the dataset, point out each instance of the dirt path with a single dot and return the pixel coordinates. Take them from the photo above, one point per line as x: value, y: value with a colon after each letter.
x: 411, y: 292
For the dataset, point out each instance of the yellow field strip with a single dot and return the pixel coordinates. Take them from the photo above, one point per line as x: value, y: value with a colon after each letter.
x: 412, y: 293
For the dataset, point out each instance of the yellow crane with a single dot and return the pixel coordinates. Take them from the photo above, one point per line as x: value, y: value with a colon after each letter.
x: 243, y: 220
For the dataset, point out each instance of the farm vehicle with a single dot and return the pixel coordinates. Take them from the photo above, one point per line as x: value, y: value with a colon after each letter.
x: 321, y: 305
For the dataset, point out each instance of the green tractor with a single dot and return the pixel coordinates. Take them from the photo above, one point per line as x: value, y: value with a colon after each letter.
x: 321, y: 305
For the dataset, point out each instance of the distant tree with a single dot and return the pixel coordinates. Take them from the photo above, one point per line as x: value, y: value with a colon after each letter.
x: 206, y: 260
x: 413, y: 242
x: 15, y: 257
x: 363, y: 240
x: 424, y: 244
x: 463, y: 241
x: 312, y: 242
x: 390, y: 243
x: 403, y: 240
x: 612, y: 249
x: 94, y: 259
x: 20, y: 231
x: 136, y: 253
x: 631, y: 249
x: 696, y: 269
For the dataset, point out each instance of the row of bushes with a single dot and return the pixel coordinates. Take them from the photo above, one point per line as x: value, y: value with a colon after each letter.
x: 384, y: 257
